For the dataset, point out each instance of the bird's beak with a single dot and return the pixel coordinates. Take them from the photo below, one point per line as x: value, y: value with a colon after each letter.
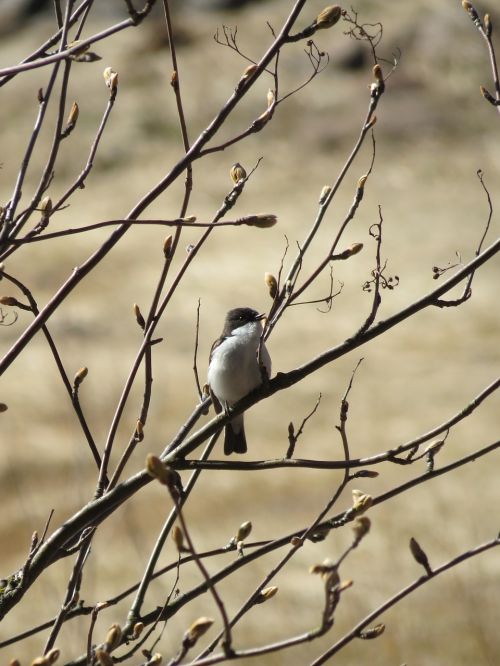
x: 260, y: 316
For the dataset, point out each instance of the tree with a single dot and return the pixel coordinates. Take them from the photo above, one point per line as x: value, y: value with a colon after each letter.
x: 118, y: 402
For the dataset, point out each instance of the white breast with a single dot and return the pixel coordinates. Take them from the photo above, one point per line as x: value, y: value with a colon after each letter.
x: 234, y: 370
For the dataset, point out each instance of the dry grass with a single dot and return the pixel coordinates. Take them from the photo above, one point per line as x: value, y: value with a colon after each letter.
x: 434, y: 132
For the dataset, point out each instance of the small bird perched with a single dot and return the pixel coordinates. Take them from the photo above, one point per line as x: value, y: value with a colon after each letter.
x: 234, y: 369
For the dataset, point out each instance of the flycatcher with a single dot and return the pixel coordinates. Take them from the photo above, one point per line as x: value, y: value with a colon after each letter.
x: 234, y: 369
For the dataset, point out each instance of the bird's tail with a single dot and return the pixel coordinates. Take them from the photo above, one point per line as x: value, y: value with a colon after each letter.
x: 234, y: 437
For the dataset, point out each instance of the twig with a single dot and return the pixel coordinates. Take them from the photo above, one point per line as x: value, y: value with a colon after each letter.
x: 64, y: 376
x: 376, y: 232
x: 287, y: 293
x: 294, y: 436
x: 195, y: 352
x: 261, y: 549
x: 66, y: 53
x: 331, y: 256
x: 135, y: 609
x: 227, y: 644
x: 355, y: 631
x: 228, y: 203
x: 47, y: 172
x: 16, y: 195
x: 191, y: 155
x: 344, y: 408
x: 486, y: 30
x: 79, y: 182
x: 42, y: 50
x: 71, y: 591
x: 467, y: 292
x: 93, y: 620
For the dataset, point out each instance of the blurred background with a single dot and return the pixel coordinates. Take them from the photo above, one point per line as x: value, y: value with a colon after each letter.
x: 434, y: 132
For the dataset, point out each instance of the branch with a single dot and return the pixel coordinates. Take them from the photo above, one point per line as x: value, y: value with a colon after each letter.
x: 355, y: 631
x: 193, y: 153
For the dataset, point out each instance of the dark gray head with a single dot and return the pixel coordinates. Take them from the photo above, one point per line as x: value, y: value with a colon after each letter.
x: 239, y: 317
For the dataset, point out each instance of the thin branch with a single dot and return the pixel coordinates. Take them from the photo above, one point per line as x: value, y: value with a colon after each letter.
x: 467, y: 292
x: 68, y: 52
x: 135, y: 609
x: 365, y: 622
x: 227, y: 644
x: 228, y: 203
x: 33, y: 236
x: 486, y: 30
x: 294, y: 436
x: 194, y: 152
x: 195, y: 352
x: 71, y: 592
x: 60, y: 367
x: 261, y: 548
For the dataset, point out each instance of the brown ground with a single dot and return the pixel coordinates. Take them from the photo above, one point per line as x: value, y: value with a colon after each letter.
x: 434, y: 131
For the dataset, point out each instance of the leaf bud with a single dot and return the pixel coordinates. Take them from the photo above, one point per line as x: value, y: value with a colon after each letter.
x: 488, y: 26
x: 110, y: 78
x: 365, y: 473
x: 139, y: 431
x: 167, y: 246
x: 178, y: 538
x: 262, y: 221
x: 328, y: 17
x: 237, y: 173
x: 265, y: 594
x: 80, y: 376
x: 361, y: 502
x: 324, y: 194
x: 355, y: 248
x: 248, y: 71
x: 137, y: 630
x: 46, y: 207
x: 174, y: 79
x: 360, y: 527
x: 272, y: 284
x: 244, y: 531
x: 373, y: 632
x: 434, y: 446
x: 8, y: 300
x: 73, y: 115
x: 113, y: 637
x: 158, y: 470
x: 271, y: 98
x: 138, y: 316
x: 377, y: 73
x: 197, y: 629
x: 419, y: 555
x: 362, y: 181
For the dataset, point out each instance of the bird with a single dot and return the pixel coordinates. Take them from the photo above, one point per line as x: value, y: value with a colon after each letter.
x: 234, y: 370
